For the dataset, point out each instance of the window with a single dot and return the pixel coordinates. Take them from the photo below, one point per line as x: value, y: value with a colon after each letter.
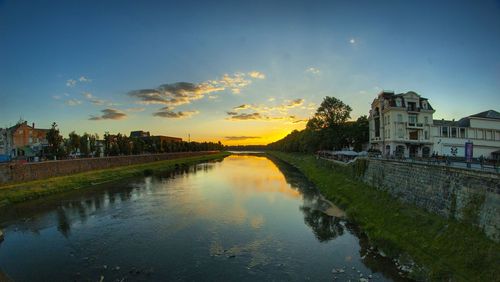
x: 398, y: 102
x: 400, y: 133
x: 400, y: 117
x: 426, y: 120
x: 462, y: 132
x: 424, y: 104
x: 444, y: 131
x: 479, y: 134
x: 454, y: 132
x: 426, y: 135
x: 412, y: 119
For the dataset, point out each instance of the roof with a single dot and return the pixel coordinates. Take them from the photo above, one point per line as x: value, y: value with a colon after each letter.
x: 464, y: 122
x: 491, y: 114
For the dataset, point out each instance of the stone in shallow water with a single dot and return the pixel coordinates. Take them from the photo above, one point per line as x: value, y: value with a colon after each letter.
x: 1, y: 236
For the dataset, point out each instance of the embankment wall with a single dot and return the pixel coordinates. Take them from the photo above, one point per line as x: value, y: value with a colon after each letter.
x: 12, y: 172
x: 470, y: 196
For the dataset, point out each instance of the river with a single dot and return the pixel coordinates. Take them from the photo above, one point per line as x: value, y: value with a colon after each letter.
x: 246, y: 218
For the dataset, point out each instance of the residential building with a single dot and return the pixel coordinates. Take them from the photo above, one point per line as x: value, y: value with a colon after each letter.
x: 482, y: 129
x: 400, y: 124
x: 25, y: 140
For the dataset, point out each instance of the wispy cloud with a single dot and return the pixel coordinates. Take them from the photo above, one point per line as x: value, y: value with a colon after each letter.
x: 56, y: 97
x: 112, y: 114
x: 84, y: 79
x: 135, y: 109
x: 73, y: 102
x: 166, y: 112
x: 257, y: 74
x: 70, y: 82
x: 174, y: 94
x: 236, y: 116
x: 180, y: 93
x: 282, y: 108
x: 92, y: 99
x: 352, y: 41
x: 238, y: 138
x: 313, y: 70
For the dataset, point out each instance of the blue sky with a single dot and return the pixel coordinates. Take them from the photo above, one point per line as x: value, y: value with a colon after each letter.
x: 254, y: 70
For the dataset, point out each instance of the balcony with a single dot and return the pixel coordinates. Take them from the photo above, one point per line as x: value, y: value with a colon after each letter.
x: 415, y: 125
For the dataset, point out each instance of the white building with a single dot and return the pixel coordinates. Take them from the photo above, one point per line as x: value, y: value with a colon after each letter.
x: 402, y: 125
x: 482, y: 129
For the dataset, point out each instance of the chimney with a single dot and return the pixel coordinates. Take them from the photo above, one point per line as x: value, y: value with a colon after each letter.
x: 33, y: 125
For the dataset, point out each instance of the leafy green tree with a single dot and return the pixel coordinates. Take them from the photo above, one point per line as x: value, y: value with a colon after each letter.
x: 73, y: 142
x: 332, y: 112
x: 55, y: 140
x: 85, y: 144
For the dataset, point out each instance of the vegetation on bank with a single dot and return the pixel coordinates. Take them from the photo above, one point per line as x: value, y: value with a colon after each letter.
x: 447, y: 250
x: 19, y: 192
x: 328, y: 129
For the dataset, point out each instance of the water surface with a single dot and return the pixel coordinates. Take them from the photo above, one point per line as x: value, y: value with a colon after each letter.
x: 245, y: 218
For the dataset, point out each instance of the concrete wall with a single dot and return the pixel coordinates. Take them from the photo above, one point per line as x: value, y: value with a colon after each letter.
x: 466, y: 195
x: 33, y: 171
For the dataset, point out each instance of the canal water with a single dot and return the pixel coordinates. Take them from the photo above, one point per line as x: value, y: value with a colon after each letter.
x: 246, y: 218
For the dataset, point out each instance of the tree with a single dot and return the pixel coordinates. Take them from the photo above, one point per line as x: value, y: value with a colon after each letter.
x: 332, y: 112
x: 74, y: 142
x: 85, y: 144
x: 55, y: 140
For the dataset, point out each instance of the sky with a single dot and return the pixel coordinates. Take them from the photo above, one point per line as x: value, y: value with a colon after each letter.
x: 239, y: 72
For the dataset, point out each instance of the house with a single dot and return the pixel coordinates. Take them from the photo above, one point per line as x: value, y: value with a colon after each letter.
x: 26, y: 141
x: 400, y: 124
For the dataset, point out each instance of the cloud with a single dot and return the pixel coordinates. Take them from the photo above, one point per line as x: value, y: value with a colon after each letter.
x: 313, y: 70
x: 234, y: 82
x: 56, y: 97
x: 73, y: 102
x: 92, y: 99
x: 113, y: 114
x: 174, y: 94
x: 70, y: 82
x: 257, y: 74
x: 272, y: 99
x: 180, y: 93
x: 352, y: 41
x: 295, y: 103
x: 135, y: 110
x: 245, y: 116
x: 84, y: 79
x: 166, y: 112
x: 242, y: 107
x: 232, y: 113
x: 238, y: 138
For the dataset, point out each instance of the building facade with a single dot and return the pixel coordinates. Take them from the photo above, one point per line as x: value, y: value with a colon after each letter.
x: 400, y: 125
x: 25, y: 140
x: 482, y: 130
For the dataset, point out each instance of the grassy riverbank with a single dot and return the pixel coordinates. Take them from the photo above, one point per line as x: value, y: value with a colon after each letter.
x: 447, y: 249
x: 24, y: 191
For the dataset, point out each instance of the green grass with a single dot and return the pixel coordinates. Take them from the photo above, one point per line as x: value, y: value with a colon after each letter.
x: 446, y: 249
x: 20, y: 192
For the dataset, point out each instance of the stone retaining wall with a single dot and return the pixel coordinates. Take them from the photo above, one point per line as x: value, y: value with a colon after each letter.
x: 467, y: 195
x: 33, y: 171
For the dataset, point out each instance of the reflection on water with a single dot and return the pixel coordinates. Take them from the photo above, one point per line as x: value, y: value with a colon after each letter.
x: 239, y: 219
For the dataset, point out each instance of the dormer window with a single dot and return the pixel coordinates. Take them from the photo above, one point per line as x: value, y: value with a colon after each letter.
x: 398, y: 102
x: 424, y: 104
